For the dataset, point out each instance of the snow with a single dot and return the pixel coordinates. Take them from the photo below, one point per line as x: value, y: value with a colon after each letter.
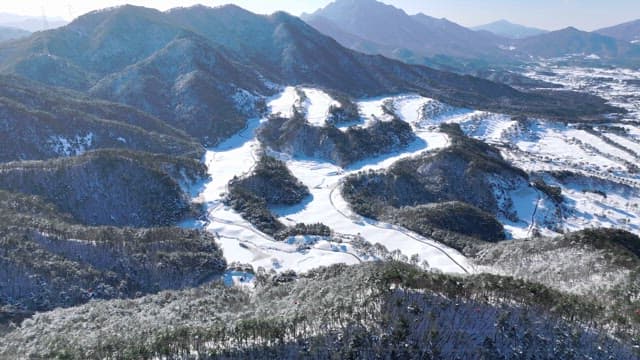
x: 75, y: 146
x: 629, y: 144
x: 531, y: 208
x: 600, y: 144
x: 238, y: 278
x: 609, y: 83
x: 490, y: 127
x: 329, y: 207
x: 284, y: 103
x: 559, y: 142
x: 317, y: 106
x: 372, y: 110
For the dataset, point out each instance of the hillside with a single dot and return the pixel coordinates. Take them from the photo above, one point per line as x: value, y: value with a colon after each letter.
x: 110, y: 187
x: 190, y: 84
x: 215, y: 184
x: 387, y: 309
x: 12, y: 33
x: 41, y: 122
x: 48, y: 261
x: 603, y: 265
x: 297, y: 137
x: 614, y: 251
x: 629, y: 31
x: 466, y: 171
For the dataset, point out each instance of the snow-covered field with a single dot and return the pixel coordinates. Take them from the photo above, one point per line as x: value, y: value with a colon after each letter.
x: 618, y: 85
x: 601, y: 156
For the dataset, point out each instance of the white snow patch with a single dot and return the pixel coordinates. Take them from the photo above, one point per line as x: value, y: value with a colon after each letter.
x: 600, y: 144
x: 317, y: 106
x: 285, y: 102
x: 71, y: 146
x: 373, y: 110
x: 629, y: 144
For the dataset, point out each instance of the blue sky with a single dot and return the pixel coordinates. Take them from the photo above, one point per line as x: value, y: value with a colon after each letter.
x: 548, y: 14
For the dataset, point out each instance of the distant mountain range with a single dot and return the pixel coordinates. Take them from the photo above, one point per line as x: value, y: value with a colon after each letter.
x: 571, y: 41
x: 30, y: 23
x: 509, y: 30
x: 425, y: 40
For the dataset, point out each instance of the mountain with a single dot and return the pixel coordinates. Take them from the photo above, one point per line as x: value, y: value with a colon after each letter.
x: 615, y: 251
x: 509, y: 30
x: 629, y: 31
x: 418, y: 35
x: 55, y: 262
x: 30, y: 23
x: 205, y: 70
x: 12, y: 33
x: 572, y: 41
x: 136, y: 56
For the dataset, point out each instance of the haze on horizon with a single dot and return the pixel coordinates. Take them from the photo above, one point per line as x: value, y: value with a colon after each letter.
x: 545, y: 14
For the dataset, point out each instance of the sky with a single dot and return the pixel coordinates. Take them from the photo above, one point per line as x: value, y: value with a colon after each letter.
x: 546, y: 14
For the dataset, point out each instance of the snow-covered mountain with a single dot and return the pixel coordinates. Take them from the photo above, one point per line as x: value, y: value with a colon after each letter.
x: 360, y: 205
x: 214, y: 63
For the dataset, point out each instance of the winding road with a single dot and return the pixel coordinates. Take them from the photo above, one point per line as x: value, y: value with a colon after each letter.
x: 386, y: 226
